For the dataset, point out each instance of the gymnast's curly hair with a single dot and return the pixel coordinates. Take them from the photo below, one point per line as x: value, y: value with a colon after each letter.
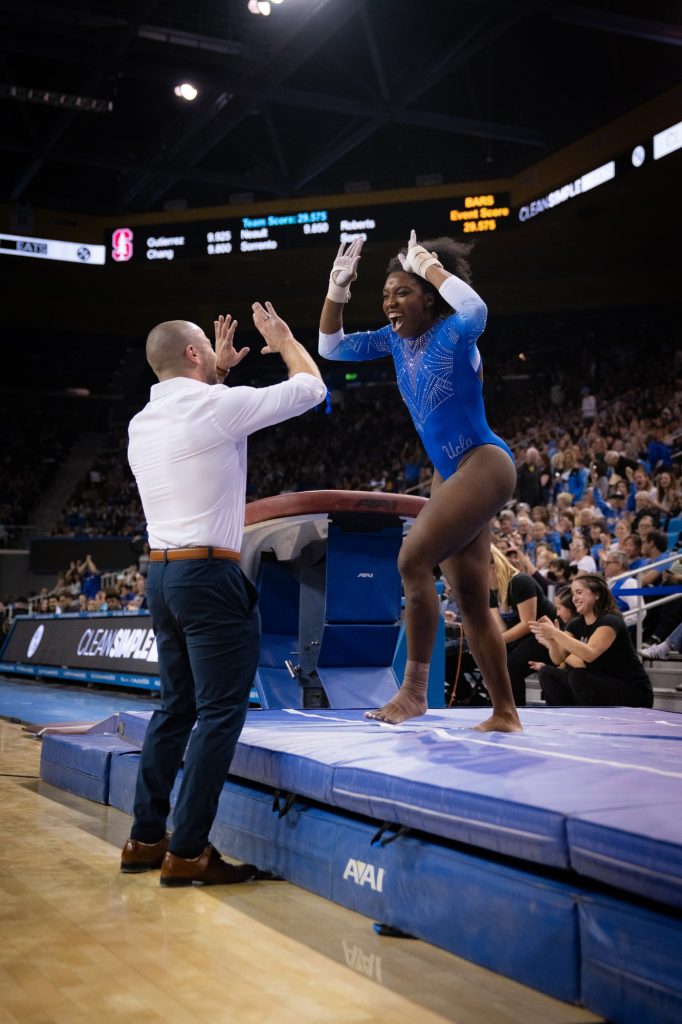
x: 455, y: 258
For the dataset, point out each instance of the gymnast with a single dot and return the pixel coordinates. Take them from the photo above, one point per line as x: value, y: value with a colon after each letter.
x: 434, y: 319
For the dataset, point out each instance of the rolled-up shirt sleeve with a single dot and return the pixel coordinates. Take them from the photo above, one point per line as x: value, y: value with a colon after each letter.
x: 243, y: 410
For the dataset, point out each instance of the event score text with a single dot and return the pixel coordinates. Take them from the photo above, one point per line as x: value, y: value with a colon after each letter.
x: 481, y: 213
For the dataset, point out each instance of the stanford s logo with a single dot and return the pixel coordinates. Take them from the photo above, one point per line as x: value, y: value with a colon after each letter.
x: 122, y: 245
x: 365, y: 874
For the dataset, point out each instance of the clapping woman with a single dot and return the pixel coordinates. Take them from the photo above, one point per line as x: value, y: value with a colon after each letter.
x: 593, y: 660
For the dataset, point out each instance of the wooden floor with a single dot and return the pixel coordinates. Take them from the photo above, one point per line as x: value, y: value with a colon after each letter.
x: 83, y: 944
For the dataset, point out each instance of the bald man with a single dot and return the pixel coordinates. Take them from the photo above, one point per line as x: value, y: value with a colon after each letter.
x: 187, y: 451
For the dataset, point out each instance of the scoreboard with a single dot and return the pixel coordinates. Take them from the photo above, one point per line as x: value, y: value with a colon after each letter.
x: 271, y: 230
x: 303, y: 229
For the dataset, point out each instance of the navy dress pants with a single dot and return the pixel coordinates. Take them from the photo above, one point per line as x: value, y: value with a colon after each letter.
x: 207, y: 634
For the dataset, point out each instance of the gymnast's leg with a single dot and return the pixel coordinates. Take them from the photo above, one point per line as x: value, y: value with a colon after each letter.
x: 452, y: 530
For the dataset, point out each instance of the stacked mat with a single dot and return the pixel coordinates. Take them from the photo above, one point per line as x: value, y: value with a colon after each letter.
x: 553, y: 856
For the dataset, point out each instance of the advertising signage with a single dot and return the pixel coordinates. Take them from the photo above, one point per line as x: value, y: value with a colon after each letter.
x: 115, y: 643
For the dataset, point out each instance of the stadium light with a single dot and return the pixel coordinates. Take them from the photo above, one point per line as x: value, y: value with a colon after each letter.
x: 186, y: 91
x: 262, y: 6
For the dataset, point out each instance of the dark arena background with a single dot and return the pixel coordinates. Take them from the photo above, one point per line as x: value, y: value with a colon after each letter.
x: 165, y: 160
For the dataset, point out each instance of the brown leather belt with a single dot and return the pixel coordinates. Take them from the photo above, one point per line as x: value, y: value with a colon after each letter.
x: 175, y: 554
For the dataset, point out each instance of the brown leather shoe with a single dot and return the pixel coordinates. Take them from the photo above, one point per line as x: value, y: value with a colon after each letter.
x: 137, y: 856
x: 206, y: 869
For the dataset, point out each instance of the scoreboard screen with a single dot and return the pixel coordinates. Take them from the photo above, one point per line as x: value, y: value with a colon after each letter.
x: 280, y: 231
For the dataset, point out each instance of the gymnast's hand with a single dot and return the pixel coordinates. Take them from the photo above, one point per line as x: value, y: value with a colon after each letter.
x: 275, y: 330
x: 418, y: 259
x: 226, y: 354
x: 344, y: 270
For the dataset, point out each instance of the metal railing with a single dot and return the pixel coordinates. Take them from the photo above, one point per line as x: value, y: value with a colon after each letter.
x: 675, y: 590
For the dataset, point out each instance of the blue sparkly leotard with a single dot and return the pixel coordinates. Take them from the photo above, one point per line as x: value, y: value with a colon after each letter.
x: 438, y: 375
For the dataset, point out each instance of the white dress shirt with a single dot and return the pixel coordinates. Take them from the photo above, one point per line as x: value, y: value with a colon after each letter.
x: 187, y: 451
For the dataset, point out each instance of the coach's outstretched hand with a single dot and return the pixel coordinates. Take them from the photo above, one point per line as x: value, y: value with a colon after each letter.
x: 227, y: 355
x: 275, y: 330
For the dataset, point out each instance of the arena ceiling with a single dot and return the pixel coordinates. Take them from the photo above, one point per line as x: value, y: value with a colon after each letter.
x: 320, y: 97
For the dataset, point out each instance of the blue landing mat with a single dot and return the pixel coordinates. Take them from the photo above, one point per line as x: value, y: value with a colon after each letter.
x: 44, y: 703
x: 597, y: 790
x: 608, y: 779
x: 513, y: 794
x: 82, y: 764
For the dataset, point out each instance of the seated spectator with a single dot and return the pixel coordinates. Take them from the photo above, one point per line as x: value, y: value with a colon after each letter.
x: 658, y: 451
x: 614, y: 508
x: 621, y: 530
x: 507, y: 522
x: 564, y: 504
x: 646, y: 516
x: 111, y: 601
x: 560, y: 572
x: 640, y: 483
x: 65, y: 604
x: 522, y: 563
x: 654, y: 547
x: 564, y: 607
x: 668, y: 496
x: 618, y: 464
x: 543, y: 556
x: 598, y: 536
x: 661, y: 621
x: 632, y: 546
x: 520, y: 599
x: 574, y: 476
x: 593, y: 661
x: 522, y: 533
x: 564, y: 530
x: 138, y: 598
x: 580, y: 556
x: 538, y: 535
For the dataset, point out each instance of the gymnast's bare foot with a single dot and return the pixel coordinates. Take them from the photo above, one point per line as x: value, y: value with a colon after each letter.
x: 398, y: 710
x: 410, y: 700
x: 501, y: 721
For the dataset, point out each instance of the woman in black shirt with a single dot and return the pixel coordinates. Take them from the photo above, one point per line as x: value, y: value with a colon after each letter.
x: 594, y: 662
x: 520, y: 600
